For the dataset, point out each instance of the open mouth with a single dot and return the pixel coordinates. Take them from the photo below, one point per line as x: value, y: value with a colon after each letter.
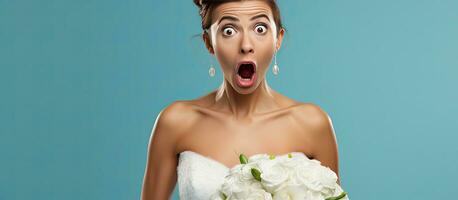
x: 246, y: 70
x: 246, y: 73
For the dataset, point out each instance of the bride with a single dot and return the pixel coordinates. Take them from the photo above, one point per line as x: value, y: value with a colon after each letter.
x: 195, y: 142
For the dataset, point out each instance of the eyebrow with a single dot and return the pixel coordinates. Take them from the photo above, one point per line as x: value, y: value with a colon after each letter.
x: 236, y: 19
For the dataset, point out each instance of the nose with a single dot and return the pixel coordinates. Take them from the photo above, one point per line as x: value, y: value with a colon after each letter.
x: 247, y: 45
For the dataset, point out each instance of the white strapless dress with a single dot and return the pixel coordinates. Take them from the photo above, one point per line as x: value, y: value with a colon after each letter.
x: 199, y: 176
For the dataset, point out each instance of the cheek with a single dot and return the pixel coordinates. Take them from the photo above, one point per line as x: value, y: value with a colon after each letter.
x: 265, y: 53
x: 226, y: 53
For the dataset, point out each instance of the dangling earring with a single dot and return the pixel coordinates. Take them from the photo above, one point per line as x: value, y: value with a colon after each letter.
x: 275, y: 68
x: 211, y: 71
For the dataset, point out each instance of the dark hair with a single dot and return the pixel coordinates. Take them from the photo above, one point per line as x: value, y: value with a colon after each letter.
x: 206, y: 7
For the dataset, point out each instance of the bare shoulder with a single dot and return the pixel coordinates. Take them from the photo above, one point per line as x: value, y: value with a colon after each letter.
x: 178, y: 116
x: 174, y: 120
x: 312, y: 116
x: 317, y: 125
x: 178, y: 112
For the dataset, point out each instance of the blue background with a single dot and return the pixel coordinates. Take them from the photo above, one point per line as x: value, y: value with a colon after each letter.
x: 82, y: 83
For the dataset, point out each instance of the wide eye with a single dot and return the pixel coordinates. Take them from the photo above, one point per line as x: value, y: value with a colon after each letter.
x: 228, y: 31
x: 260, y: 29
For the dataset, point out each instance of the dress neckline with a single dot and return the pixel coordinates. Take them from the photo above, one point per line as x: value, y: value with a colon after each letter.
x: 223, y: 165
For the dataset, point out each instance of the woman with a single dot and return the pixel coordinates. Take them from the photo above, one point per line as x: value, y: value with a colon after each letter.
x: 196, y: 142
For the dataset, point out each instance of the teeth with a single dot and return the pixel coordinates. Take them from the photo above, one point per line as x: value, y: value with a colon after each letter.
x: 244, y: 79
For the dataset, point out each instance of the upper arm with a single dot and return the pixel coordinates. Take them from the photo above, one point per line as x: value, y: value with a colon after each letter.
x: 160, y: 171
x: 324, y: 141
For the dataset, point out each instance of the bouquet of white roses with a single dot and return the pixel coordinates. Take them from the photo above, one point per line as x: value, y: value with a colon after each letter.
x: 285, y: 177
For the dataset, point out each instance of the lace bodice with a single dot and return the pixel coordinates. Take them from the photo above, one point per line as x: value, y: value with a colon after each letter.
x: 199, y: 176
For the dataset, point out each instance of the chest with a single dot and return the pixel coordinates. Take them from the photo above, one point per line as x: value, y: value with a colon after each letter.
x: 223, y: 139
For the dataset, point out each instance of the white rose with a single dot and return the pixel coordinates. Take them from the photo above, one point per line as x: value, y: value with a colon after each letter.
x: 273, y: 175
x: 287, y: 192
x: 239, y: 182
x: 251, y: 194
x: 316, y: 178
x: 294, y: 192
x: 296, y: 160
x: 246, y: 170
x: 309, y: 173
x: 257, y: 194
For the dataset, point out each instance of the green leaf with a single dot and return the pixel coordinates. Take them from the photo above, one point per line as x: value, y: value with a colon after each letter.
x: 243, y: 159
x: 256, y: 174
x: 342, y: 195
x: 272, y: 157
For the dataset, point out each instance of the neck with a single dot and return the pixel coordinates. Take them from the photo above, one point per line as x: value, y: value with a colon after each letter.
x: 245, y: 105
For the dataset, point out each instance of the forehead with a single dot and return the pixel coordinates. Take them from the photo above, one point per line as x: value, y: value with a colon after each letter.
x: 241, y: 8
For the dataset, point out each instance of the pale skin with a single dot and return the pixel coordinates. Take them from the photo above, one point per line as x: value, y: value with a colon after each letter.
x: 233, y: 119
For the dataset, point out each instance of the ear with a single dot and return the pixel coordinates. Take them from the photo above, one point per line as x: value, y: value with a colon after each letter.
x: 280, y: 35
x: 207, y: 41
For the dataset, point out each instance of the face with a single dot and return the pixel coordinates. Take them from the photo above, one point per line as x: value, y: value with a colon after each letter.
x: 243, y: 39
